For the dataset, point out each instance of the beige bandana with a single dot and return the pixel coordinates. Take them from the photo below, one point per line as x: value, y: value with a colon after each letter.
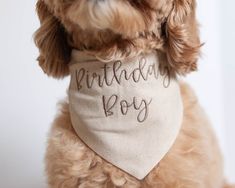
x: 128, y: 112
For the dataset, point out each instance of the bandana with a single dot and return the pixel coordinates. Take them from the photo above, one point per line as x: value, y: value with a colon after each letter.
x: 128, y: 112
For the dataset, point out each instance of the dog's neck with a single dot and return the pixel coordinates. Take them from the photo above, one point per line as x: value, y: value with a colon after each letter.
x: 82, y: 56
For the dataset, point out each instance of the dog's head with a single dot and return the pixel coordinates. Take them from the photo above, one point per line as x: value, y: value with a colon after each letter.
x: 116, y: 29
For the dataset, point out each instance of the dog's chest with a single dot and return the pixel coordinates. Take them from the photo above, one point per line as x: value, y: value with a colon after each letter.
x: 128, y: 112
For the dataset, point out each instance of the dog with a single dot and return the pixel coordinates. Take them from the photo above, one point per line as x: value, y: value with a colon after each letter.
x: 116, y: 35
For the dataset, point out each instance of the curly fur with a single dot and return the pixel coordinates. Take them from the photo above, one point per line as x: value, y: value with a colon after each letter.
x: 118, y: 29
x: 112, y: 29
x: 193, y: 162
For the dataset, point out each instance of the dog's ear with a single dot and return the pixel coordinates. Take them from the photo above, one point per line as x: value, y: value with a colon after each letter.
x: 51, y: 39
x: 182, y: 38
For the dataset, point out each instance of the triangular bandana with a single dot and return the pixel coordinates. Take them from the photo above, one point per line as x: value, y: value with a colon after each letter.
x: 128, y: 112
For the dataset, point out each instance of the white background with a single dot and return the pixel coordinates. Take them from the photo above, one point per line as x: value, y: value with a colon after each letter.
x: 28, y: 98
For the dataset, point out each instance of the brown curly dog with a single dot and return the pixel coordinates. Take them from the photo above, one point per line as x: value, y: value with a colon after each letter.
x: 115, y: 30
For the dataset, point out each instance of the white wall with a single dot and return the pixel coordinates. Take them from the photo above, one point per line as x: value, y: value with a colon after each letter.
x: 214, y: 81
x: 227, y: 47
x: 28, y: 98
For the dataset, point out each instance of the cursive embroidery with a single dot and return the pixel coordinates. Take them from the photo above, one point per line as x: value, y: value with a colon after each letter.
x: 141, y: 106
x: 116, y: 74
